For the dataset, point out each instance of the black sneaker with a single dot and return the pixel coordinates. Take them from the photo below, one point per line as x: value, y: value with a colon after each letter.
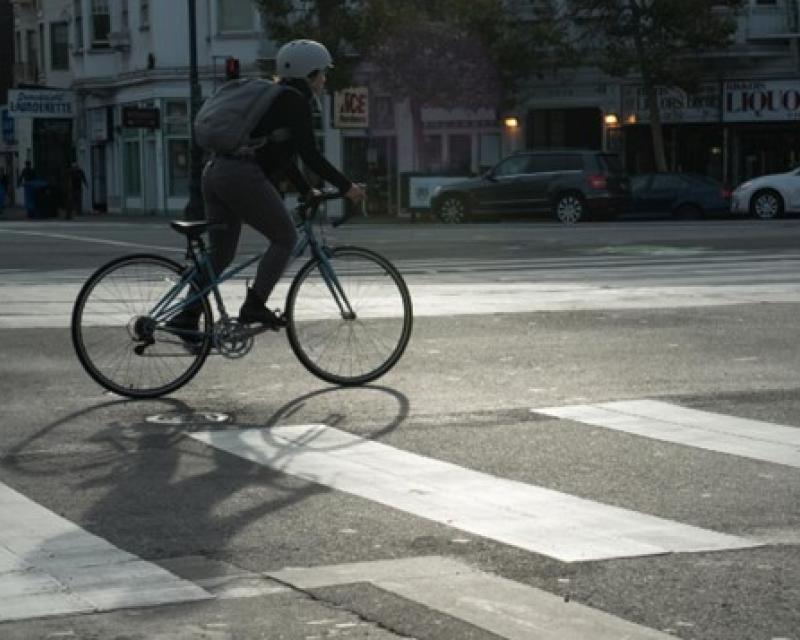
x: 254, y: 311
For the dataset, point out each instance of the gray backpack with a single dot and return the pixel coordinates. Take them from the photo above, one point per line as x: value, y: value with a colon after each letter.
x: 226, y: 120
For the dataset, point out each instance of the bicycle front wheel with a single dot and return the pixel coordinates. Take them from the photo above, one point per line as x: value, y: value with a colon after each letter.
x: 119, y: 341
x: 349, y: 316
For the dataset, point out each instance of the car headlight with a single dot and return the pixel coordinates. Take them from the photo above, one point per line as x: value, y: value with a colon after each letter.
x: 437, y: 190
x: 744, y: 186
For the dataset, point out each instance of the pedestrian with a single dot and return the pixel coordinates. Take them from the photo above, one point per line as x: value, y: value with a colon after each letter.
x: 26, y: 179
x: 3, y: 188
x: 240, y: 187
x: 76, y: 180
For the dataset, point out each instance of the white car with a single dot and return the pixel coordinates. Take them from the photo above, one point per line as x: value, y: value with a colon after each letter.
x: 769, y: 196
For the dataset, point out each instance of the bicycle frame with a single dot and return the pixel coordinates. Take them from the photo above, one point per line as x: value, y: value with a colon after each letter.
x: 167, y: 307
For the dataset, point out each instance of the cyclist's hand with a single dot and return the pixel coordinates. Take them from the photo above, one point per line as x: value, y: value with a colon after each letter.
x: 356, y: 193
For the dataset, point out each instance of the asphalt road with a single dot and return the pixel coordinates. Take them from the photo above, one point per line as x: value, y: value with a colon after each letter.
x: 512, y: 321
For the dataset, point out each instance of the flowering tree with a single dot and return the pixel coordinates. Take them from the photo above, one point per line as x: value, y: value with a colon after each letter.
x: 433, y: 53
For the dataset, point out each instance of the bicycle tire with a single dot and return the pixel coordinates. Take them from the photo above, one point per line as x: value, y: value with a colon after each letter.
x: 384, y: 317
x: 112, y: 303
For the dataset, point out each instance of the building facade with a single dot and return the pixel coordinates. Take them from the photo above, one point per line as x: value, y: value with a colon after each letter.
x: 741, y: 123
x: 123, y: 66
x: 7, y: 134
x: 106, y: 83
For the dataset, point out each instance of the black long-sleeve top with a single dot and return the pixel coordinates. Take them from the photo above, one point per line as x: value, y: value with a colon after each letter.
x: 292, y: 111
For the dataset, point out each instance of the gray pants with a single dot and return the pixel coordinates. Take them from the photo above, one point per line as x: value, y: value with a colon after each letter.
x: 237, y: 191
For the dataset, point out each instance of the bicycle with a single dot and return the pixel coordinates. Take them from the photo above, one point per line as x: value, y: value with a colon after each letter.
x: 348, y: 313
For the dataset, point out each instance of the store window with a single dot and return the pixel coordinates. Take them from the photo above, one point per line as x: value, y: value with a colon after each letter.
x: 33, y: 54
x: 235, y: 16
x: 42, y: 64
x: 101, y: 24
x: 459, y: 154
x: 132, y: 162
x: 489, y: 152
x: 77, y: 14
x: 431, y: 153
x: 176, y: 126
x: 144, y: 14
x: 59, y: 46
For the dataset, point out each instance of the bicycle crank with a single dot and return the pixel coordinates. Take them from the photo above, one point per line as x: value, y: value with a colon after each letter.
x: 232, y: 338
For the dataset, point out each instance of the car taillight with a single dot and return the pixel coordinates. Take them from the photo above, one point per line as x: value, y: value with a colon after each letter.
x: 725, y: 193
x: 597, y: 181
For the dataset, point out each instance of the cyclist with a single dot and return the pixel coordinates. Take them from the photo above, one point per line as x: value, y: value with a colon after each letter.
x: 240, y: 188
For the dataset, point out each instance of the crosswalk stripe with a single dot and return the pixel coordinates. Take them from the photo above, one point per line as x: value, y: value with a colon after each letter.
x: 702, y: 429
x: 51, y: 305
x: 503, y: 607
x: 50, y: 566
x: 541, y: 520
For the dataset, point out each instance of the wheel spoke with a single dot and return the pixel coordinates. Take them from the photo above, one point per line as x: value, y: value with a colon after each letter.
x: 350, y: 351
x: 110, y: 321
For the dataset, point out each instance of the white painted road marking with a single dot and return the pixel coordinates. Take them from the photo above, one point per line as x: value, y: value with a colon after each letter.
x: 506, y: 608
x: 50, y: 566
x: 702, y: 429
x: 548, y: 522
x: 116, y: 243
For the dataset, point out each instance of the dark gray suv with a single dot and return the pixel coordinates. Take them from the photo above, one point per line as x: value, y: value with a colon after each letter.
x: 570, y: 184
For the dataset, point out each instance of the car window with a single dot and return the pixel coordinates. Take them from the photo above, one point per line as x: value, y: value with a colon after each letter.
x: 706, y: 181
x: 610, y: 162
x: 513, y: 166
x: 668, y: 181
x: 639, y: 182
x: 555, y: 162
x: 566, y: 162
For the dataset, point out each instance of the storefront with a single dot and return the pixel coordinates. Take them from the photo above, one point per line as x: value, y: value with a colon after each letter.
x: 572, y: 114
x: 761, y: 119
x: 138, y: 155
x: 691, y: 125
x: 43, y: 124
x: 731, y: 131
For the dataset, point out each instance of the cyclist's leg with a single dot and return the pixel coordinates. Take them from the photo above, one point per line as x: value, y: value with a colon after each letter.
x: 216, y: 191
x: 243, y: 189
x: 271, y: 220
x: 223, y: 243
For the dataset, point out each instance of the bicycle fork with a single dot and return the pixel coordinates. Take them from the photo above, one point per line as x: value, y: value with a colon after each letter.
x: 335, y: 287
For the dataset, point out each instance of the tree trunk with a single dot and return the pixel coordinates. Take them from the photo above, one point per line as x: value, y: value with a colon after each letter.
x: 655, y: 129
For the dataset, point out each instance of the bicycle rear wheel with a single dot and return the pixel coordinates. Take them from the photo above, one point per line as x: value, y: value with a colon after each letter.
x: 335, y: 345
x: 117, y: 340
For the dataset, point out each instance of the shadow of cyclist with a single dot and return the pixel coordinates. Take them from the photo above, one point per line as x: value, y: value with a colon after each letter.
x: 155, y: 492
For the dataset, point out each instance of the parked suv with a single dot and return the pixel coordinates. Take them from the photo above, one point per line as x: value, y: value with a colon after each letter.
x: 571, y: 184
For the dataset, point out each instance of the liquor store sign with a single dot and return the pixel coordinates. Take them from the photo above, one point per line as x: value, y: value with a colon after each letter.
x: 762, y: 101
x: 38, y: 103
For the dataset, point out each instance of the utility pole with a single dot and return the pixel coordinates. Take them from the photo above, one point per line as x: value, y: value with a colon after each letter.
x: 194, y: 208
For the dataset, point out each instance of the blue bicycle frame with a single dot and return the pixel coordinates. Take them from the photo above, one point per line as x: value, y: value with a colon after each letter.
x: 167, y: 307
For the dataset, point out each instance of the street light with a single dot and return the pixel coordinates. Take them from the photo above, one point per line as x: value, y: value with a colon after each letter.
x: 194, y: 208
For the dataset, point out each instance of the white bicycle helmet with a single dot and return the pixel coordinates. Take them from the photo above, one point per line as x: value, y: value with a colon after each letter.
x: 300, y: 58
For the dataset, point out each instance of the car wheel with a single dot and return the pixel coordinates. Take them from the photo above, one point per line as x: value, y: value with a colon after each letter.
x: 689, y: 212
x: 570, y: 208
x: 766, y: 204
x: 453, y: 210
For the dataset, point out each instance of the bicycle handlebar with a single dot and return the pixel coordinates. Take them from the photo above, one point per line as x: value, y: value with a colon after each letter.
x: 311, y: 204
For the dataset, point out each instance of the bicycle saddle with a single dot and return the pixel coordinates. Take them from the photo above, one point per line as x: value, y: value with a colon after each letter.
x: 194, y: 228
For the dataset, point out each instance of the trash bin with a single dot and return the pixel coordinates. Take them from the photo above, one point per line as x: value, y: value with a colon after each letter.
x: 32, y: 189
